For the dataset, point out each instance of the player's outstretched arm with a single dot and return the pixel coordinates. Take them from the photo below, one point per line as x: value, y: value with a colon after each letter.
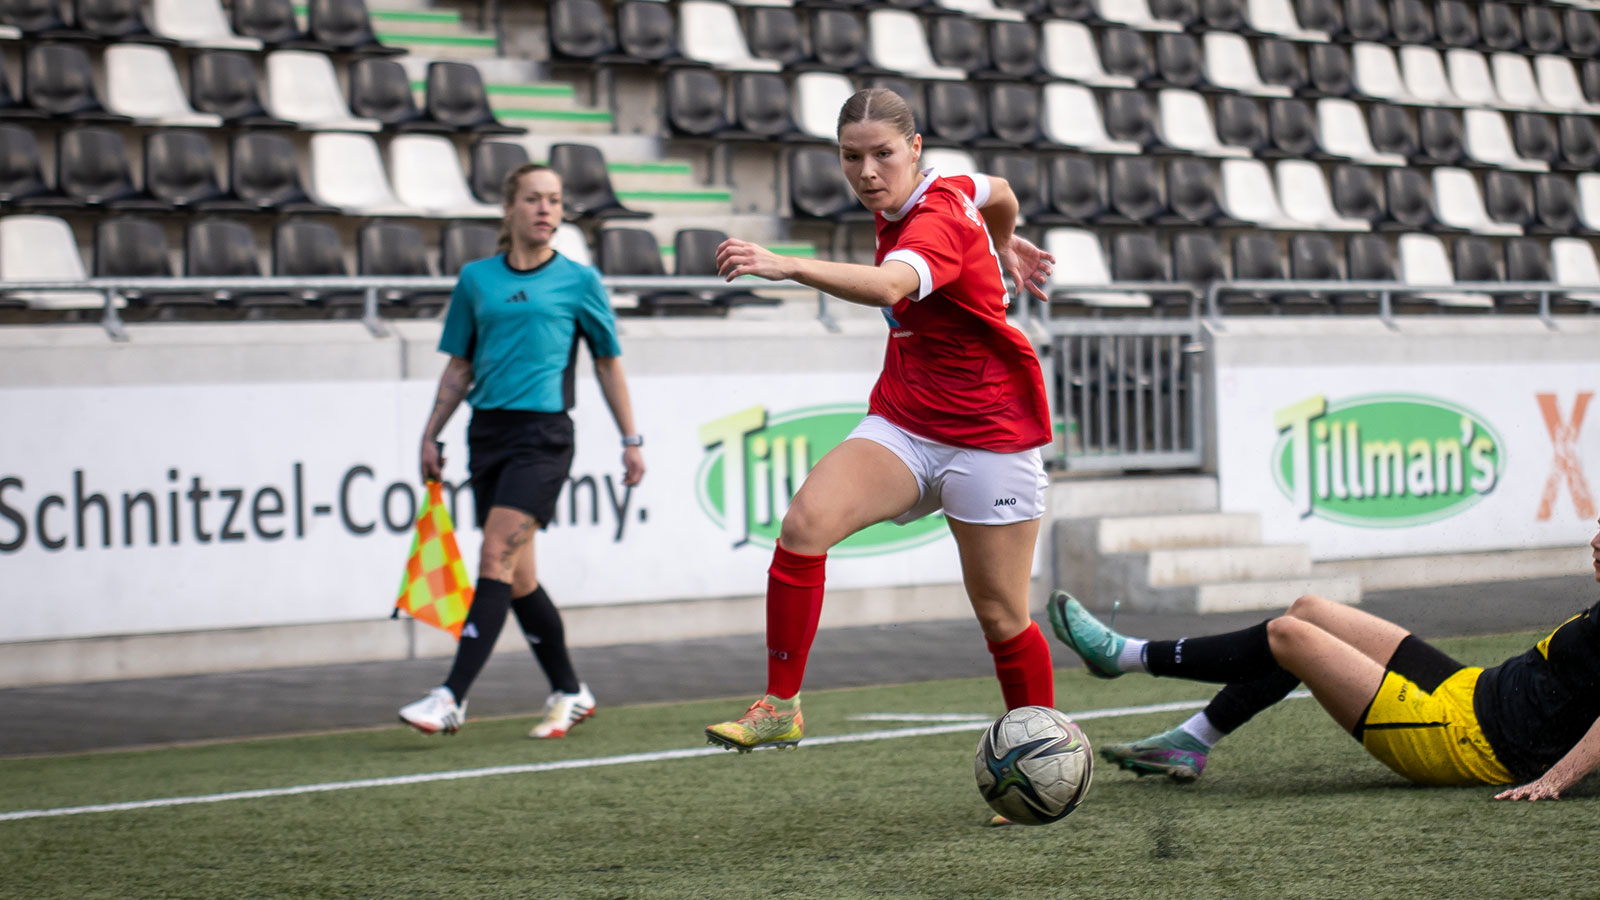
x: 883, y: 285
x: 1582, y: 759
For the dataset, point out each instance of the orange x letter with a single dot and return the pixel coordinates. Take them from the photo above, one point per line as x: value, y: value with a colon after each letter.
x: 1565, y: 464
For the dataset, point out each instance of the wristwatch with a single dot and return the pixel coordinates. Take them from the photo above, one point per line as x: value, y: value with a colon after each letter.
x: 633, y: 440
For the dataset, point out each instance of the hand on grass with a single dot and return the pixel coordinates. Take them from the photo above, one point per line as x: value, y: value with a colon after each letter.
x: 1546, y: 788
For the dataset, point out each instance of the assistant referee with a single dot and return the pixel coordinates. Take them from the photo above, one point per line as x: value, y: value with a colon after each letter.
x: 512, y: 331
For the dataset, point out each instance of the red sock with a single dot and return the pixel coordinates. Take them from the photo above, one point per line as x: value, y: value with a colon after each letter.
x: 1023, y: 666
x: 794, y: 604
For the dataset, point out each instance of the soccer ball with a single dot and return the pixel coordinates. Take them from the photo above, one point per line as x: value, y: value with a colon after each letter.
x: 1034, y: 765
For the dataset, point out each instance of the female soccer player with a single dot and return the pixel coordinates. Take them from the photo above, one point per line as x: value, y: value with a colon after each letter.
x: 1532, y: 720
x: 511, y: 332
x: 956, y: 419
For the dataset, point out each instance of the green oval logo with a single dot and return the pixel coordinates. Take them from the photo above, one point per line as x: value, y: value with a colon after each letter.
x: 1384, y: 460
x: 773, y: 454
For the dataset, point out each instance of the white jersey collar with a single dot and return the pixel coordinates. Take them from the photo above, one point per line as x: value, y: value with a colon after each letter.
x: 928, y: 175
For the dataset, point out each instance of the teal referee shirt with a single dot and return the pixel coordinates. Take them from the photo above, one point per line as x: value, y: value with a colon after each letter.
x: 520, y: 330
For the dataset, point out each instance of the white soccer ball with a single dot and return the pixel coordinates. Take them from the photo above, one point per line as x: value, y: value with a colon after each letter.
x: 1034, y: 765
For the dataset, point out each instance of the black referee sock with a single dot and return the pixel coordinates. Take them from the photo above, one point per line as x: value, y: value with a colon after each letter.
x: 1238, y: 703
x: 478, y: 634
x: 541, y: 624
x: 1237, y: 656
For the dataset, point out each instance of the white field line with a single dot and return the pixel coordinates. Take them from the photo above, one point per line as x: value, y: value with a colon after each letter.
x: 964, y: 724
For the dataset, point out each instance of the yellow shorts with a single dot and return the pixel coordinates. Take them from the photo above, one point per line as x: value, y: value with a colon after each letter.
x: 1431, y: 738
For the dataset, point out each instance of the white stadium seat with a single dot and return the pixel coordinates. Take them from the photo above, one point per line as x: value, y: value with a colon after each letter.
x: 1247, y: 194
x: 1458, y: 203
x: 1470, y: 80
x: 1072, y: 118
x: 982, y: 9
x: 42, y: 248
x: 1303, y: 191
x: 1344, y: 133
x: 302, y: 87
x: 1276, y: 17
x: 1487, y: 139
x: 1087, y: 268
x: 949, y: 161
x: 817, y: 99
x: 762, y: 2
x: 1422, y: 70
x: 1514, y: 81
x: 1135, y: 14
x: 198, y: 23
x: 709, y: 32
x: 1558, y: 85
x: 347, y: 171
x: 1575, y: 267
x: 1070, y: 54
x: 1589, y: 200
x: 141, y: 82
x: 426, y: 172
x: 570, y: 242
x: 1231, y: 65
x: 896, y: 41
x: 1184, y: 120
x: 1423, y: 262
x: 1377, y: 74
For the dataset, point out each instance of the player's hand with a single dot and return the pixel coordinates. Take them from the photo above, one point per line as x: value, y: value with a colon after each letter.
x: 632, y: 466
x: 1028, y: 266
x: 736, y: 257
x: 1545, y: 788
x: 432, y: 461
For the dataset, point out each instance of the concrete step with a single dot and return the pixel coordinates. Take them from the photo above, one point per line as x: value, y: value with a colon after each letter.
x: 1239, y: 596
x: 1072, y: 498
x: 522, y: 95
x: 1131, y: 534
x: 580, y: 124
x: 1205, y: 565
x: 614, y: 147
x: 762, y: 228
x: 664, y: 175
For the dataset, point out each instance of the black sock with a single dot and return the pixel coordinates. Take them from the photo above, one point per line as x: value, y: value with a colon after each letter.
x: 1224, y: 658
x: 478, y: 634
x: 541, y: 623
x: 1237, y: 703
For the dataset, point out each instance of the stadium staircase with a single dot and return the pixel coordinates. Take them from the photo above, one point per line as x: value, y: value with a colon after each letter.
x: 1160, y: 545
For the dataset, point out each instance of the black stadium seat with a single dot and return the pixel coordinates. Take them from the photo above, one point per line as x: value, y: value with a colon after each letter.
x: 1580, y: 148
x: 1184, y: 12
x: 463, y: 242
x: 955, y: 115
x: 11, y: 106
x: 1366, y: 20
x: 695, y: 255
x: 1535, y: 138
x: 1391, y: 130
x: 22, y: 172
x: 1319, y: 15
x: 1279, y: 63
x: 586, y: 184
x: 457, y: 98
x: 1507, y: 198
x: 579, y: 31
x: 1293, y: 128
x: 1137, y: 256
x: 57, y: 79
x: 1554, y: 205
x: 130, y: 247
x: 309, y: 249
x: 1328, y: 71
x: 92, y: 167
x: 959, y: 42
x: 1014, y: 115
x: 345, y: 26
x: 1412, y: 22
x: 762, y: 108
x: 1077, y: 190
x: 1355, y: 194
x: 773, y: 32
x: 1022, y: 172
x: 838, y: 39
x: 818, y: 190
x: 1371, y: 258
x: 1193, y: 192
x: 1124, y: 52
x: 381, y: 90
x: 1312, y: 257
x: 179, y: 170
x: 1589, y: 78
x: 1541, y: 30
x: 1457, y: 22
x: 1014, y: 50
x: 1128, y: 117
x: 1133, y: 191
x: 1255, y: 258
x: 40, y: 20
x: 492, y: 161
x: 116, y: 20
x: 263, y: 172
x: 394, y: 250
x: 1178, y: 63
x: 1499, y: 27
x: 224, y: 248
x: 1410, y: 199
x: 1197, y: 258
x: 273, y: 23
x: 223, y: 83
x: 1241, y: 123
x: 696, y: 103
x: 1583, y: 33
x: 1224, y: 15
x: 634, y: 251
x: 646, y: 33
x: 1439, y: 137
x: 1477, y: 258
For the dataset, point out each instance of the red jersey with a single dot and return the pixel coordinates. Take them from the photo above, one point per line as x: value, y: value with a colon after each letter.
x: 955, y: 371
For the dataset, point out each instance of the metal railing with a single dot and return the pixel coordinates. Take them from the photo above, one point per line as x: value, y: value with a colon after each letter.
x: 1387, y: 291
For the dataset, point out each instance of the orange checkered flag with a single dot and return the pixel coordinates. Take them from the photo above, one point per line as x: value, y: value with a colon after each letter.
x: 435, y: 589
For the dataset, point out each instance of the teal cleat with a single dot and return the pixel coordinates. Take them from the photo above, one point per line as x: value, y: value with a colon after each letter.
x: 1076, y: 627
x: 1179, y: 759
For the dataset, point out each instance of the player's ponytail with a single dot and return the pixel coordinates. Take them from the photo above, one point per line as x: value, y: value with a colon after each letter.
x: 508, y: 191
x: 879, y: 105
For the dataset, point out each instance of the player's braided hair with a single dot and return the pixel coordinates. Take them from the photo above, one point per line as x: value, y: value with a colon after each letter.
x: 508, y: 190
x: 879, y: 105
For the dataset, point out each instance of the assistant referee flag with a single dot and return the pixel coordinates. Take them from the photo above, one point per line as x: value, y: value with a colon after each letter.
x: 435, y: 588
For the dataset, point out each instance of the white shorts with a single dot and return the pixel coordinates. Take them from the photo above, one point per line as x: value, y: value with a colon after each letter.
x: 980, y: 487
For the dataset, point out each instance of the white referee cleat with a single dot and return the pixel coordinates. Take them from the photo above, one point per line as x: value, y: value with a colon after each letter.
x: 435, y: 713
x: 562, y: 711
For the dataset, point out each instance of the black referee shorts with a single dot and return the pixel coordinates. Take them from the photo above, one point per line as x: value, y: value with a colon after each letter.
x: 518, y: 459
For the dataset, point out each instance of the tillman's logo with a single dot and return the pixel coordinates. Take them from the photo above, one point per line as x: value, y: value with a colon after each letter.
x: 1384, y: 460
x: 755, y: 463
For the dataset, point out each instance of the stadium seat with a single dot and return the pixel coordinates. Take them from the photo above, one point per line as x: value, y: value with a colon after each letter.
x: 380, y: 90
x: 1424, y: 263
x: 1580, y: 148
x: 1499, y: 27
x: 1230, y: 65
x: 1292, y: 128
x: 1470, y: 80
x: 457, y: 97
x: 1458, y: 203
x: 909, y: 91
x: 1457, y: 23
x: 1488, y: 141
x: 1366, y: 20
x: 39, y: 20
x: 1440, y: 139
x: 1280, y: 64
x: 345, y: 26
x: 1328, y: 71
x: 838, y: 39
x: 223, y: 83
x: 1013, y: 115
x: 308, y: 249
x: 959, y: 43
x: 1424, y: 77
x: 1197, y: 258
x: 92, y: 168
x: 1371, y: 258
x: 42, y: 248
x: 818, y: 97
x: 1583, y: 33
x: 11, y: 106
x: 1411, y: 205
x: 348, y: 172
x: 1514, y: 81
x: 492, y: 161
x: 634, y: 251
x: 1355, y: 194
x: 579, y: 31
x: 119, y: 21
x: 709, y: 32
x: 1179, y: 63
x: 1135, y: 14
x: 1077, y: 191
x: 1589, y: 200
x: 302, y: 88
x: 1411, y: 22
x: 949, y: 161
x: 818, y: 190
x: 225, y: 248
x: 1392, y: 130
x: 1139, y: 256
x: 1242, y: 123
x: 142, y: 84
x: 199, y: 24
x: 1508, y: 199
x: 696, y: 104
x: 1186, y: 124
x: 1129, y: 122
x: 133, y: 247
x: 1377, y: 73
x: 694, y: 254
x: 1193, y: 194
x: 1590, y: 79
x: 1134, y: 184
x: 1534, y: 139
x: 1559, y: 87
x: 955, y: 115
x: 1322, y: 16
x: 1023, y: 173
x: 463, y: 242
x: 426, y: 172
x: 1014, y: 50
x: 179, y: 171
x: 1575, y: 267
x: 646, y: 33
x: 1223, y: 15
x: 1344, y: 133
x: 58, y: 80
x: 1070, y: 54
x: 1255, y: 258
x: 1541, y: 30
x: 1313, y: 257
x: 263, y: 171
x: 1555, y: 205
x: 1528, y: 260
x: 896, y: 42
x: 1185, y: 12
x: 569, y: 240
x: 1075, y: 284
x: 274, y: 24
x: 979, y: 9
x: 773, y: 32
x: 1307, y: 201
x: 1125, y: 54
x: 762, y: 108
x: 393, y: 250
x: 587, y: 184
x: 1248, y: 194
x: 1476, y: 259
x: 22, y: 181
x: 1277, y: 17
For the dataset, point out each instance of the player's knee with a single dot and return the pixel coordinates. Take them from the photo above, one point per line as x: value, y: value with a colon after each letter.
x: 802, y: 531
x: 1306, y: 606
x: 1285, y: 632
